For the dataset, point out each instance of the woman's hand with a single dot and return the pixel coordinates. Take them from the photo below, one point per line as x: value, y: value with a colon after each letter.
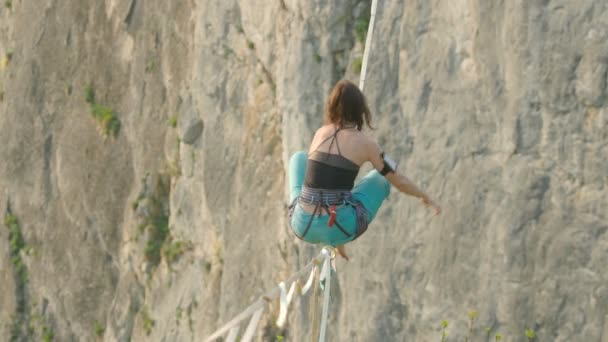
x: 430, y: 204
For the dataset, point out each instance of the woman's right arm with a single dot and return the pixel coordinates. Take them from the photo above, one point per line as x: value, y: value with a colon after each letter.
x: 399, y: 181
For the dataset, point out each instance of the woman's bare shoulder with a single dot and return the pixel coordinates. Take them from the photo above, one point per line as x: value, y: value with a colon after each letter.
x: 371, y: 145
x: 325, y: 128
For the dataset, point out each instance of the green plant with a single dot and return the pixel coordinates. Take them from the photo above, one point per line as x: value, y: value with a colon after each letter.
x: 530, y: 335
x: 89, y: 95
x: 158, y: 232
x: 357, y: 64
x: 498, y: 337
x: 109, y: 123
x: 151, y: 207
x: 178, y: 314
x: 172, y: 168
x: 444, y: 333
x: 250, y: 45
x: 172, y: 122
x: 217, y: 248
x: 488, y: 332
x: 173, y: 250
x: 317, y: 58
x: 361, y: 26
x: 151, y: 64
x: 228, y: 51
x: 105, y: 117
x: 98, y: 329
x: 148, y: 322
x: 5, y: 60
x: 472, y: 318
x: 19, y: 328
x: 16, y: 245
x: 8, y: 4
x: 189, y: 314
x: 10, y: 219
x: 48, y: 335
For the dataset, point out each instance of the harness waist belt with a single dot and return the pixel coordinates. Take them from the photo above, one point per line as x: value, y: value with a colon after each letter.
x: 324, y: 196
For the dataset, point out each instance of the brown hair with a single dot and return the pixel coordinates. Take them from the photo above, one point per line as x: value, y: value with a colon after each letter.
x: 347, y: 105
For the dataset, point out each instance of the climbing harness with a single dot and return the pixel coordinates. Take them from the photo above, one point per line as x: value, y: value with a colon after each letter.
x: 328, y: 201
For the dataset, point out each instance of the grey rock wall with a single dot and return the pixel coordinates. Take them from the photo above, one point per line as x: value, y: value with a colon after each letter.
x: 166, y: 225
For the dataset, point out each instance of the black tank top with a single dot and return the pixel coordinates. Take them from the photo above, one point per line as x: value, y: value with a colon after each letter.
x: 330, y: 171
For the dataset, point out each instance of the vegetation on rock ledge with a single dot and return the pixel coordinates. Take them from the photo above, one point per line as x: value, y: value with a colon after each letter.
x: 20, y: 319
x: 106, y: 118
x: 529, y: 333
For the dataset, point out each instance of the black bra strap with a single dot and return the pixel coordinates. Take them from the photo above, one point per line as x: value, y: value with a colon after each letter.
x: 333, y: 137
x: 337, y: 145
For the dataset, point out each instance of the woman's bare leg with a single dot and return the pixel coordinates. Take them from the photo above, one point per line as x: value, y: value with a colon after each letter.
x: 342, y: 252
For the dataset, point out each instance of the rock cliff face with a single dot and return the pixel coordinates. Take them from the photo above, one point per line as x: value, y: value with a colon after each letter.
x: 143, y: 149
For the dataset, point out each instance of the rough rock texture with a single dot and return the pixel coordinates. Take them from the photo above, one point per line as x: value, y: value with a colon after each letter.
x: 168, y: 226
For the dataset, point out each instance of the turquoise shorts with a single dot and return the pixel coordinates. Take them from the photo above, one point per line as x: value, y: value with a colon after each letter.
x: 370, y: 191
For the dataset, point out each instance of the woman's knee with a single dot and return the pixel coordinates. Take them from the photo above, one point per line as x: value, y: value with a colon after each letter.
x: 379, y: 182
x: 299, y: 155
x: 298, y: 158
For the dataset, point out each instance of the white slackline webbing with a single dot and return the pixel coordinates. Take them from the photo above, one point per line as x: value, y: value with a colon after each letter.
x: 252, y: 327
x: 326, y: 270
x: 260, y: 303
x: 242, y: 316
x: 284, y: 302
x: 232, y: 335
x: 368, y: 44
x: 314, y: 309
x: 325, y: 273
x: 309, y: 281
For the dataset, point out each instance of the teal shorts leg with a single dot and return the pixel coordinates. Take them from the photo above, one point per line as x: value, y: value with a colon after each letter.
x: 319, y: 232
x: 297, y: 170
x: 371, y: 191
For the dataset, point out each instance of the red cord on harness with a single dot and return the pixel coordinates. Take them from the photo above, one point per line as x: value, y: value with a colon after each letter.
x: 332, y: 215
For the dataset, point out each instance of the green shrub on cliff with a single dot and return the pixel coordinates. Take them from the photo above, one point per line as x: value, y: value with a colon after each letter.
x: 98, y: 329
x: 158, y: 232
x: 148, y: 322
x: 528, y: 333
x: 172, y: 250
x: 107, y: 120
x: 361, y: 26
x: 48, y: 334
x: 16, y: 244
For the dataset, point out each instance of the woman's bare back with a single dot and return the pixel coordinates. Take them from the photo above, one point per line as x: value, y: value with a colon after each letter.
x: 348, y: 142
